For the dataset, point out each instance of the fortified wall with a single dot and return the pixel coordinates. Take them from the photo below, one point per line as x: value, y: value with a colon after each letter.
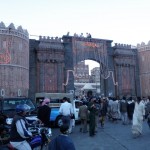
x: 14, y: 61
x: 144, y: 65
x: 47, y: 64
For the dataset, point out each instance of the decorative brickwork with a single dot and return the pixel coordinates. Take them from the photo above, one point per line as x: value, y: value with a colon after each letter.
x: 144, y: 65
x: 14, y: 61
x: 126, y: 70
x: 55, y: 59
x: 48, y: 67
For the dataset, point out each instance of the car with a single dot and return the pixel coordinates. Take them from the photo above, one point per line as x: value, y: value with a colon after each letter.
x: 55, y: 117
x: 7, y: 112
x: 8, y: 108
x: 56, y: 100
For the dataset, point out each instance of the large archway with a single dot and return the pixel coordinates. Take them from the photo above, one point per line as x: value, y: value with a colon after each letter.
x: 78, y: 49
x: 113, y: 79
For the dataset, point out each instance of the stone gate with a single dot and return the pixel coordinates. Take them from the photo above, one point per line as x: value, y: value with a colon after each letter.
x: 119, y: 72
x: 52, y: 61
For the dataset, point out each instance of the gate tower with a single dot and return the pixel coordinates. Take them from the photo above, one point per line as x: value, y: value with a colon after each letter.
x: 14, y: 61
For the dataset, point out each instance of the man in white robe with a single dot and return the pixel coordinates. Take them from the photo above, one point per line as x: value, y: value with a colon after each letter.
x: 138, y: 118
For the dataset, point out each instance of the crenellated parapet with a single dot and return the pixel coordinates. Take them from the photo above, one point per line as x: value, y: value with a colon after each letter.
x: 143, y: 46
x: 49, y: 39
x: 12, y: 30
x: 124, y: 54
x: 50, y: 42
x: 124, y: 50
x: 122, y: 46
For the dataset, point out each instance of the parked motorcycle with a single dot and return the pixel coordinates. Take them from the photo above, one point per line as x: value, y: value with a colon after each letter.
x: 40, y: 140
x: 44, y: 132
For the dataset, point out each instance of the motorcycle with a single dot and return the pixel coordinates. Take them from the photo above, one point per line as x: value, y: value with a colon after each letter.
x: 40, y: 140
x: 39, y: 131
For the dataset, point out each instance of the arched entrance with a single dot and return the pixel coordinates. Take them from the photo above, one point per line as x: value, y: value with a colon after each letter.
x: 114, y: 81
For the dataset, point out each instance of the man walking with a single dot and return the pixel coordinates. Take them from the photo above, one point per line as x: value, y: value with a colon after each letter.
x: 44, y: 112
x: 66, y: 111
x: 138, y: 118
x: 130, y: 109
x: 103, y: 111
x: 123, y: 110
x: 83, y: 115
x: 92, y: 109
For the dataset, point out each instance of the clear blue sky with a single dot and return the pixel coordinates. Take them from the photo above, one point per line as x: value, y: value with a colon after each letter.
x: 123, y: 21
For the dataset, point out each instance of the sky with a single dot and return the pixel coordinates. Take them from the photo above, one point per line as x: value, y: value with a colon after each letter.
x: 123, y: 21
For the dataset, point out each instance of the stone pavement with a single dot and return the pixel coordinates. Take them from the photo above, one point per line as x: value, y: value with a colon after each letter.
x: 114, y: 136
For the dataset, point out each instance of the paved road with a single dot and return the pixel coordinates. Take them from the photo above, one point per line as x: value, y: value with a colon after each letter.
x: 112, y: 137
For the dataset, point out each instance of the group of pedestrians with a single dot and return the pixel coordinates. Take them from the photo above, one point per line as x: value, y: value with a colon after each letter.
x: 127, y: 110
x: 130, y: 111
x: 19, y: 127
x: 95, y: 110
x: 121, y: 109
x: 63, y: 141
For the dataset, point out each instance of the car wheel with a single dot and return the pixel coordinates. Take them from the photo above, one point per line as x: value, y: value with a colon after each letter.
x: 59, y: 121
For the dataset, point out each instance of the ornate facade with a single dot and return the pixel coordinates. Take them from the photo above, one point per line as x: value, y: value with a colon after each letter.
x: 52, y: 62
x: 126, y: 70
x: 46, y: 66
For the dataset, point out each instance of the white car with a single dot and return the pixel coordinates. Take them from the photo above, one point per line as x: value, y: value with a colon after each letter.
x: 56, y: 117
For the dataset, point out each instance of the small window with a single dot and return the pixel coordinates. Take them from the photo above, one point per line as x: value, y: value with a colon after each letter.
x: 19, y: 92
x: 2, y: 92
